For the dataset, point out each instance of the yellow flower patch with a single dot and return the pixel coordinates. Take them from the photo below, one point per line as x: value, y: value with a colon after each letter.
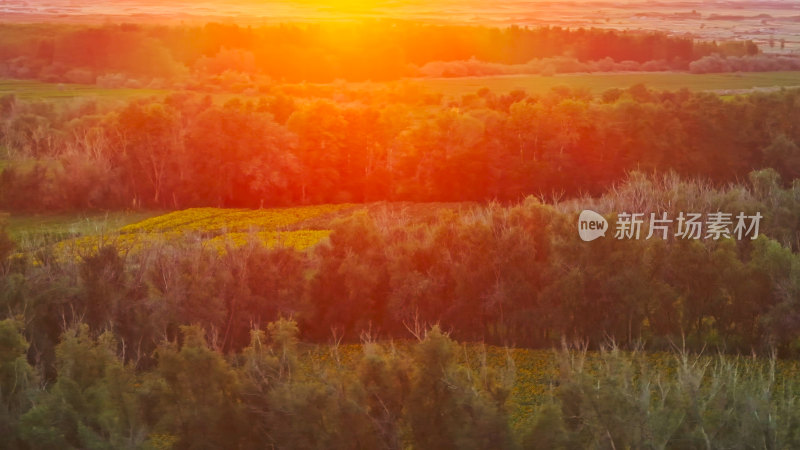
x: 210, y: 220
x: 214, y: 228
x: 299, y: 240
x: 174, y: 220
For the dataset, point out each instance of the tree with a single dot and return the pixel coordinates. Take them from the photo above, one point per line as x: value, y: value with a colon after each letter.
x: 783, y: 155
x: 148, y: 136
x: 238, y: 157
x: 93, y: 403
x: 104, y: 281
x: 196, y: 395
x: 444, y: 408
x: 17, y: 379
x: 321, y: 151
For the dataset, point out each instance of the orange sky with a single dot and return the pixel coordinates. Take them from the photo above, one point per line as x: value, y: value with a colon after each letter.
x: 700, y: 18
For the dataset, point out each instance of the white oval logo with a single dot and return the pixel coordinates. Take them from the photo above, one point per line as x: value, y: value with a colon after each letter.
x: 591, y: 225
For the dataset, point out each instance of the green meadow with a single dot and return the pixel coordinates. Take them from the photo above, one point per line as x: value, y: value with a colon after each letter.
x: 22, y: 226
x: 597, y: 83
x: 37, y: 90
x: 456, y: 87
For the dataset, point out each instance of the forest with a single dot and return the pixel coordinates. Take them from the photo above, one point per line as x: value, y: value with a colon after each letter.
x: 404, y: 270
x: 381, y: 336
x: 393, y: 143
x: 102, y: 346
x: 507, y: 275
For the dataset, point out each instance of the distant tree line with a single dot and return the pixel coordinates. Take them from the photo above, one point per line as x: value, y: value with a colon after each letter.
x: 159, y: 55
x: 315, y: 145
x: 758, y: 63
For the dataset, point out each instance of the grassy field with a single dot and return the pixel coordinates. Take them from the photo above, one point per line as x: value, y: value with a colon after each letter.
x: 296, y: 227
x: 724, y: 83
x: 37, y: 90
x: 598, y: 83
x: 28, y: 226
x: 214, y: 221
x: 293, y: 227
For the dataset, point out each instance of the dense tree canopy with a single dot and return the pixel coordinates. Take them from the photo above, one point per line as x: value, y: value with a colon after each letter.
x: 187, y: 150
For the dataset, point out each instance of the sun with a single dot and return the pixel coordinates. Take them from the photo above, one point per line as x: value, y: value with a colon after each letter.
x: 347, y: 6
